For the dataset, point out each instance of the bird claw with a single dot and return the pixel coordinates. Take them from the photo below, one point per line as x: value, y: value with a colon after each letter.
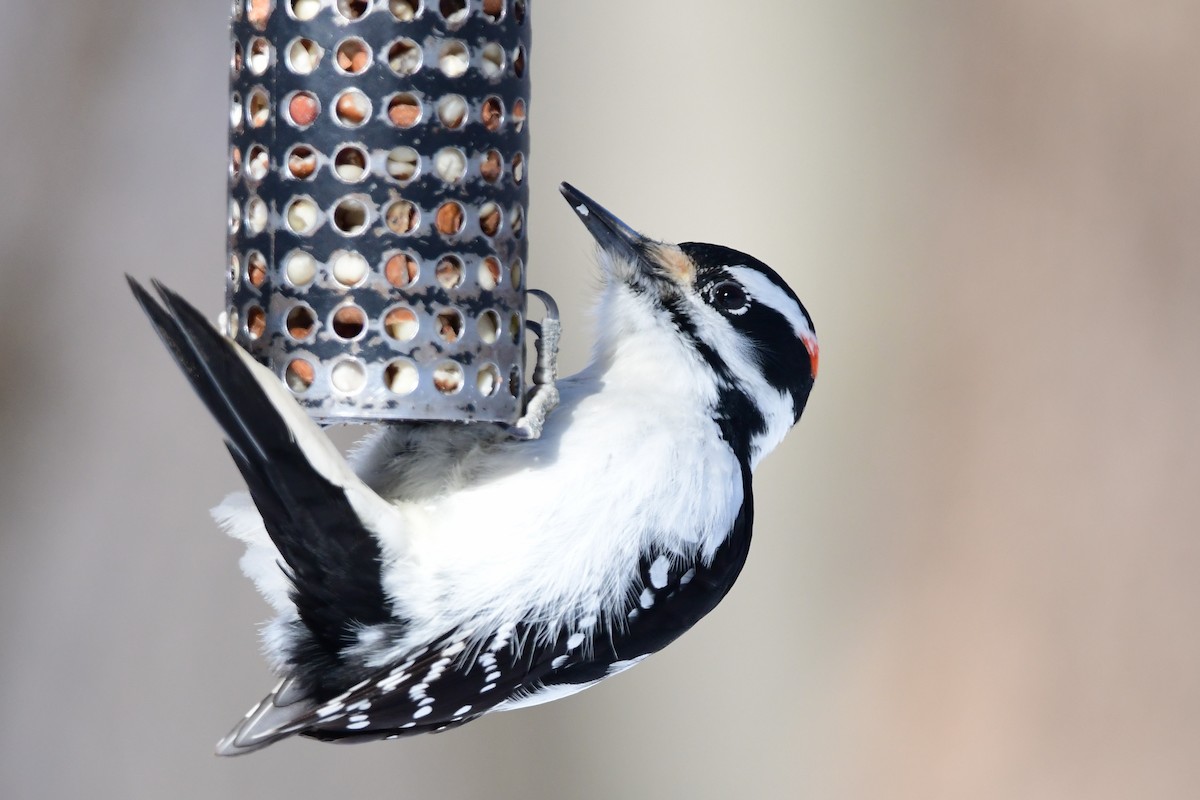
x: 543, y: 398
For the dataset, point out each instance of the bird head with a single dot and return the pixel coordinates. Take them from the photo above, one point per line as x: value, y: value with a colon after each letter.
x: 749, y: 339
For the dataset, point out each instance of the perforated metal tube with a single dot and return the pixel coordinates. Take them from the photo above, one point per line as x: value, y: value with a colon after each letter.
x: 377, y: 203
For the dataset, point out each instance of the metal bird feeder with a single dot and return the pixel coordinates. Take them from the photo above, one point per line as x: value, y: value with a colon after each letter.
x: 377, y: 204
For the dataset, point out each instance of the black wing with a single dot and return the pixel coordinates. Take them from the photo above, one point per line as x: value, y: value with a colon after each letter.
x: 673, y: 595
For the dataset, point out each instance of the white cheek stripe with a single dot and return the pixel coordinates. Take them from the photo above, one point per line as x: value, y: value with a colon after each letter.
x: 760, y: 288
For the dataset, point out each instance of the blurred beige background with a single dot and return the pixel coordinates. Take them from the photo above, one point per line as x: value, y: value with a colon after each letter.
x: 975, y: 571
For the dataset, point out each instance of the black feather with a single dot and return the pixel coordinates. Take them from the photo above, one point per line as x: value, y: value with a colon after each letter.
x: 332, y: 560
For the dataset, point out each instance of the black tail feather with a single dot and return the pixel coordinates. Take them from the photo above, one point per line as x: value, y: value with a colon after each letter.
x: 332, y: 559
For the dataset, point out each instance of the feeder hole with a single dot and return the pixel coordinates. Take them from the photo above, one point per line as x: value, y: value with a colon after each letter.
x: 450, y: 325
x: 258, y: 108
x: 401, y: 270
x: 489, y: 327
x: 256, y: 322
x: 235, y: 268
x: 404, y: 110
x: 303, y: 109
x: 452, y: 111
x: 305, y: 10
x: 405, y: 57
x: 350, y: 216
x: 403, y: 163
x: 518, y: 168
x: 493, y: 10
x: 401, y: 324
x: 352, y: 108
x: 301, y: 322
x: 454, y: 59
x: 235, y: 111
x: 350, y: 269
x: 353, y: 56
x: 353, y: 9
x: 492, y: 63
x: 231, y: 323
x: 516, y: 221
x: 450, y: 218
x: 516, y: 272
x: 235, y: 164
x: 488, y: 380
x: 235, y: 60
x: 489, y: 276
x: 348, y: 377
x: 299, y: 375
x: 455, y: 12
x: 256, y: 269
x: 514, y: 328
x: 492, y: 114
x: 258, y: 12
x: 451, y: 164
x: 300, y: 268
x: 519, y: 62
x: 518, y: 115
x: 256, y: 216
x: 350, y: 163
x: 450, y: 273
x: 302, y: 214
x: 402, y: 217
x: 489, y: 218
x: 302, y: 162
x: 237, y: 10
x: 448, y: 378
x: 519, y: 11
x: 491, y: 167
x: 514, y: 382
x: 401, y: 377
x: 349, y: 322
x: 258, y: 163
x: 303, y: 56
x: 405, y: 10
x: 260, y: 55
x: 235, y: 217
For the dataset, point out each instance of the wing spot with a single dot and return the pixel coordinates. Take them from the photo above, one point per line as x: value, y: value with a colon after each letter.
x: 658, y: 572
x: 462, y: 712
x: 329, y: 710
x: 423, y: 712
x: 559, y: 662
x: 647, y: 598
x: 487, y: 688
x: 575, y: 640
x: 687, y: 577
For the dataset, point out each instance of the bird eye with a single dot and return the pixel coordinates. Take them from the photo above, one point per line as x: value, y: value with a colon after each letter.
x: 729, y: 296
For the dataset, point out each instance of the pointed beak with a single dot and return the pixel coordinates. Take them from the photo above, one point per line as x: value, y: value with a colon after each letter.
x: 609, y: 232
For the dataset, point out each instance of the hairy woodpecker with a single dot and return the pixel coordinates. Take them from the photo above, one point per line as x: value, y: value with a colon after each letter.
x: 445, y: 570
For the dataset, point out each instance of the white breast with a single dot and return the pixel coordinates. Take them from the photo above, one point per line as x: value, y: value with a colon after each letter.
x: 556, y: 527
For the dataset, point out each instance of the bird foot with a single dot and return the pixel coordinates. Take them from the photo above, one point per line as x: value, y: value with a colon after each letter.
x: 543, y: 398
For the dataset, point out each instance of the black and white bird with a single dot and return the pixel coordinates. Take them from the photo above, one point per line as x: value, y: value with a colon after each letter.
x: 446, y: 571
